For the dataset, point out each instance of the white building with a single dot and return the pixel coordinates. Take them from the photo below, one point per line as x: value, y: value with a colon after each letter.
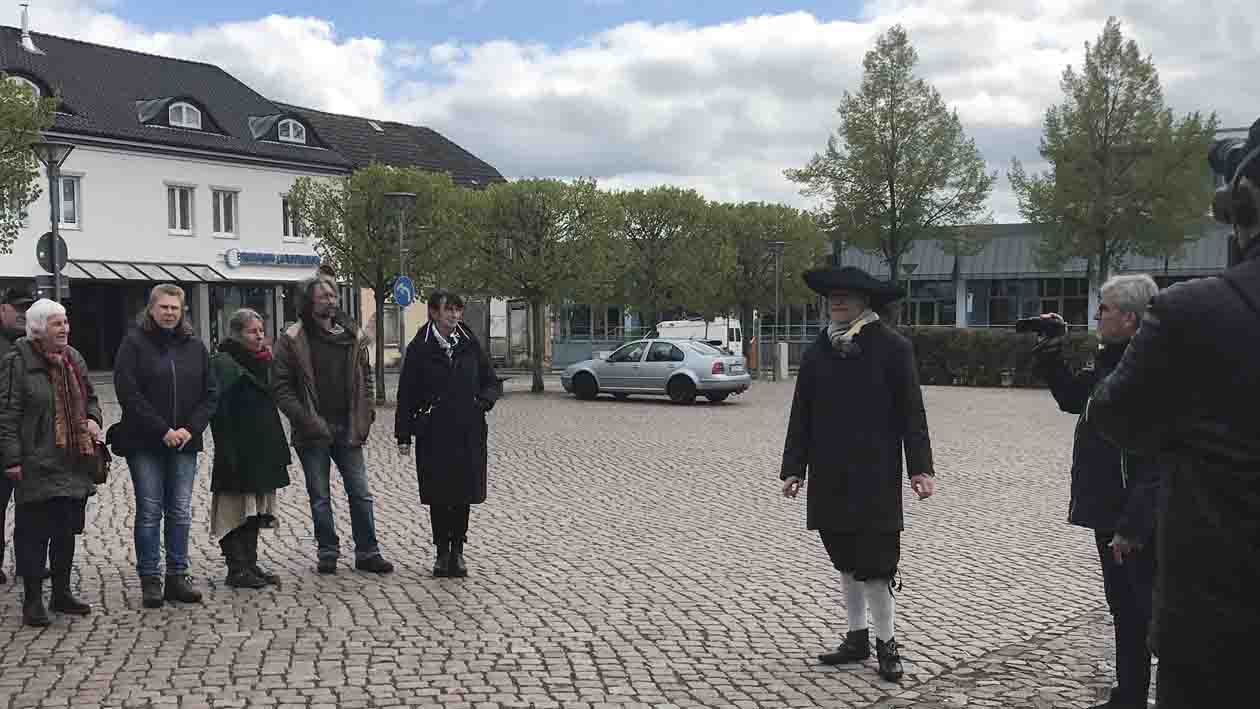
x: 179, y: 174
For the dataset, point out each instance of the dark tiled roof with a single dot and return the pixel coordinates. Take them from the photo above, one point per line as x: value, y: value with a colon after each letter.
x: 398, y: 145
x: 100, y: 88
x: 1012, y: 253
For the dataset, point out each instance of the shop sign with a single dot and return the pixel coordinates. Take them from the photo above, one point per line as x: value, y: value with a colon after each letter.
x: 235, y: 258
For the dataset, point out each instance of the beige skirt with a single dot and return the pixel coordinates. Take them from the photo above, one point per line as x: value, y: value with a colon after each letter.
x: 229, y: 510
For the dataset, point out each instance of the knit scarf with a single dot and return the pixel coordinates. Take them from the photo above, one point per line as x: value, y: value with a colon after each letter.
x: 70, y: 402
x: 842, y: 334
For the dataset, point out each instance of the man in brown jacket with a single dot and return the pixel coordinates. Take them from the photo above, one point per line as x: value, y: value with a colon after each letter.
x: 322, y: 382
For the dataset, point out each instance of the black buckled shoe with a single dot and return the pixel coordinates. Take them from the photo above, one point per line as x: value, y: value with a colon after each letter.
x: 855, y: 648
x: 889, y: 659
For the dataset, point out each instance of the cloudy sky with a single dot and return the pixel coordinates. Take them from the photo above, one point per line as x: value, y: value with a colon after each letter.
x: 719, y: 95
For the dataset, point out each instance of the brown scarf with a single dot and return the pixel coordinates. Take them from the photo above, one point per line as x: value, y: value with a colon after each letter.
x: 70, y: 402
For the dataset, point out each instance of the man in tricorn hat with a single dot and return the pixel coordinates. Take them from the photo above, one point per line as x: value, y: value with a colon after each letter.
x: 13, y: 305
x: 857, y: 406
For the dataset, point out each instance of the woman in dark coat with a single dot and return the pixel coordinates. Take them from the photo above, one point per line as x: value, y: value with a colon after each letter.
x: 251, y: 453
x: 446, y: 388
x: 857, y: 406
x: 50, y: 424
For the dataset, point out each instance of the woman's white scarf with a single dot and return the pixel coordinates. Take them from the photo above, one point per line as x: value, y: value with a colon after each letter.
x: 842, y: 334
x: 446, y: 343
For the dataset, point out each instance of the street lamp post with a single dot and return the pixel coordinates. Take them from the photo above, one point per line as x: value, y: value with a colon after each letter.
x: 52, y: 155
x: 776, y: 247
x: 400, y: 201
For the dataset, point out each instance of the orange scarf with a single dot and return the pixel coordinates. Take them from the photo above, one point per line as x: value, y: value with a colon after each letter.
x: 70, y: 402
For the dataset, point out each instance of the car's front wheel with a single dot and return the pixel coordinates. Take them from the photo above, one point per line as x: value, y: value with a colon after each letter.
x: 585, y: 387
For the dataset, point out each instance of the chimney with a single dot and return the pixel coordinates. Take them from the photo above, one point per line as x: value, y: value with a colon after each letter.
x: 27, y: 43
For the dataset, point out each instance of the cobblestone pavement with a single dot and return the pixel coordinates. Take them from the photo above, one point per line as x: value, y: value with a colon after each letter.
x: 631, y: 554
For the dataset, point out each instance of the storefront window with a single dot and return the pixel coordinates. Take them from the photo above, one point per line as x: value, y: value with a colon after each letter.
x: 226, y: 300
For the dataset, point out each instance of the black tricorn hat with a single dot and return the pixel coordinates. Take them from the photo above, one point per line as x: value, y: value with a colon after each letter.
x: 825, y: 281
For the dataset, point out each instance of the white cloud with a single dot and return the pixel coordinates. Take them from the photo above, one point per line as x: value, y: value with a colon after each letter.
x: 722, y: 108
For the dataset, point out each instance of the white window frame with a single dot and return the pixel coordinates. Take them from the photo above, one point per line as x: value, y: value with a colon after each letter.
x: 290, y: 228
x: 184, y: 123
x: 216, y: 194
x: 77, y: 179
x: 172, y: 190
x: 23, y: 81
x: 293, y: 125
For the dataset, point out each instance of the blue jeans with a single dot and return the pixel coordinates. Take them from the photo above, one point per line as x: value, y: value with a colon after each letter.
x: 164, y: 486
x: 317, y: 467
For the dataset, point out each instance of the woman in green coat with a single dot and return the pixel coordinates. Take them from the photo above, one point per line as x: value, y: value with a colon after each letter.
x: 251, y: 453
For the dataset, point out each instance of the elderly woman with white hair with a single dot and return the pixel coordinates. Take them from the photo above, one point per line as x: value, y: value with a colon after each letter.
x: 50, y: 425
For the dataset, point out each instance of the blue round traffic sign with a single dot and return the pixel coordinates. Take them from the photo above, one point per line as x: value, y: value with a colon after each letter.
x: 404, y: 291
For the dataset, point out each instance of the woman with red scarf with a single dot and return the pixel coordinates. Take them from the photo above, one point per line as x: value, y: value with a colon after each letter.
x: 50, y: 423
x: 251, y: 453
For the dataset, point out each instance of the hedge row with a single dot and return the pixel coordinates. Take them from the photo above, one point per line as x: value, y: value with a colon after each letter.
x: 987, y: 358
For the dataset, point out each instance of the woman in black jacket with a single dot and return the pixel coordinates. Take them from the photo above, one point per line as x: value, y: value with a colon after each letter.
x: 167, y: 394
x: 251, y: 452
x: 857, y: 406
x: 446, y: 388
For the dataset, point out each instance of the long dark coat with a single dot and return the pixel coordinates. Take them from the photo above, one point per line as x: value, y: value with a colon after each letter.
x: 851, y: 418
x: 1186, y: 391
x: 28, y: 434
x: 251, y: 453
x: 456, y: 393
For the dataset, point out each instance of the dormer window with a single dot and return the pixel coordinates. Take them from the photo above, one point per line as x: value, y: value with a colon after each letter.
x: 28, y: 84
x: 290, y: 131
x: 184, y: 115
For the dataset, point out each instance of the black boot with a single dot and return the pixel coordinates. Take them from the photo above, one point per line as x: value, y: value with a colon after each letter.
x: 442, y: 564
x: 889, y: 659
x: 34, y: 613
x: 61, y: 553
x: 855, y: 648
x: 458, y: 568
x: 151, y: 591
x: 240, y: 575
x: 179, y: 588
x: 249, y: 544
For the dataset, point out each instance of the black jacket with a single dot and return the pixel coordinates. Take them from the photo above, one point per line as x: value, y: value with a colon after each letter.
x: 443, y: 403
x: 851, y: 418
x: 1188, y: 390
x: 163, y: 382
x: 1112, y: 491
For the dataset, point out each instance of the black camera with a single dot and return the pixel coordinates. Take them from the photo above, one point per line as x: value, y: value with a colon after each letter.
x: 1046, y: 327
x: 1226, y: 159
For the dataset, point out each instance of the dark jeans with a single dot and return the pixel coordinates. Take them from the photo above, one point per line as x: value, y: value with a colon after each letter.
x: 317, y: 466
x: 449, y: 522
x: 6, y: 492
x: 164, y: 485
x: 43, y: 533
x: 1129, y: 588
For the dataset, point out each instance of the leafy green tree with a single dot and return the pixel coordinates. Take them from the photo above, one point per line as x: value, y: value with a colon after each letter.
x: 357, y: 232
x: 22, y: 119
x: 1125, y: 174
x: 654, y: 230
x: 537, y: 240
x: 900, y: 166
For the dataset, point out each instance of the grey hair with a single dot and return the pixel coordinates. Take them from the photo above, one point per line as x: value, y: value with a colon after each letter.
x: 38, y: 315
x: 1131, y: 294
x: 240, y: 319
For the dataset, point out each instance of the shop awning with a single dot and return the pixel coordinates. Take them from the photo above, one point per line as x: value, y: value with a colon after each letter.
x: 143, y: 271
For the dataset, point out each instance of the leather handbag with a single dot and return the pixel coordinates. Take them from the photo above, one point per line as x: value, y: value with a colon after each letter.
x: 101, y: 466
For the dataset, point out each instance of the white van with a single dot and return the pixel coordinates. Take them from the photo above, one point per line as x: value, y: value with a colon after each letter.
x: 723, y: 333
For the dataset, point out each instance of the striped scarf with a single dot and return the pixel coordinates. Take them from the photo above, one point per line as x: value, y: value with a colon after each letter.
x: 842, y: 334
x: 69, y: 401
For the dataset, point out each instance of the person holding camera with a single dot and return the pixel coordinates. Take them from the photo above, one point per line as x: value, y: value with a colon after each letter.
x: 1187, y: 390
x: 1114, y: 492
x: 446, y: 389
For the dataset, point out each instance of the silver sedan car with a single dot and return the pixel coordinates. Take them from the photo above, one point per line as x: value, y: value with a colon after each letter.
x: 679, y: 369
